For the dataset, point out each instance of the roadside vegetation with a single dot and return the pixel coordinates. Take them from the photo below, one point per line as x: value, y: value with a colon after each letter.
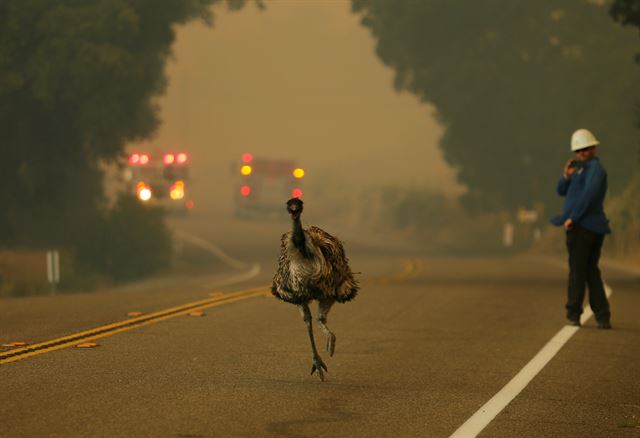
x: 624, y: 214
x: 79, y: 81
x: 442, y: 224
x: 128, y: 241
x: 429, y: 219
x: 510, y: 84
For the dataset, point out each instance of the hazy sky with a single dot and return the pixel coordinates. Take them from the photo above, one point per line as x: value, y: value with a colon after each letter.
x: 299, y: 80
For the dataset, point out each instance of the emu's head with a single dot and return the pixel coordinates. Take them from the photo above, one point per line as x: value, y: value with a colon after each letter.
x: 294, y: 207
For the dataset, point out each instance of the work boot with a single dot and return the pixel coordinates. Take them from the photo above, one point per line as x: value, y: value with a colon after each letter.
x: 573, y: 322
x: 606, y: 325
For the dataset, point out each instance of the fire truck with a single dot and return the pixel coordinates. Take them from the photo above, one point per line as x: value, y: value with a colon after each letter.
x: 160, y: 178
x: 264, y: 185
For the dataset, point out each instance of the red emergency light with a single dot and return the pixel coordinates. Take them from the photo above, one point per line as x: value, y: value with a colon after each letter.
x: 136, y: 159
x: 296, y: 193
x: 245, y: 190
x: 182, y: 158
x: 169, y: 159
x: 246, y: 158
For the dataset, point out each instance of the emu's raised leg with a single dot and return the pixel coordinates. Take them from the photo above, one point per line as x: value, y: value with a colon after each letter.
x: 323, y: 309
x: 318, y: 364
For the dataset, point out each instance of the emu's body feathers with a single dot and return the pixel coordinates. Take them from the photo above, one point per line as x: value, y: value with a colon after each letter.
x: 323, y: 273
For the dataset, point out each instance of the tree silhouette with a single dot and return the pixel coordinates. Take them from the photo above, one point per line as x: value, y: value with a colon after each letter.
x: 78, y: 80
x: 511, y: 81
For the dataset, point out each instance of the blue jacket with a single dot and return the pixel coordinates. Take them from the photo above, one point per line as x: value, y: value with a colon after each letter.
x: 585, y: 192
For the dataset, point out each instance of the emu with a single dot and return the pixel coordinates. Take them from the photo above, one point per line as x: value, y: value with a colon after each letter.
x: 313, y: 266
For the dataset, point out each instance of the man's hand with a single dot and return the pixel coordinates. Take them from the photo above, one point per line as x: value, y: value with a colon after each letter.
x: 568, y: 169
x: 568, y: 224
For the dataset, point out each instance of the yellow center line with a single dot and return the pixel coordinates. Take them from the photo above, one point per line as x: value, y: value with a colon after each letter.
x: 411, y: 268
x: 129, y: 324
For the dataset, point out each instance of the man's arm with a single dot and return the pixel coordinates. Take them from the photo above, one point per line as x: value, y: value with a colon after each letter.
x: 563, y: 186
x: 565, y: 180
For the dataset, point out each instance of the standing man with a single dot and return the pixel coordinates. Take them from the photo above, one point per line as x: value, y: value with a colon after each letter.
x: 584, y: 186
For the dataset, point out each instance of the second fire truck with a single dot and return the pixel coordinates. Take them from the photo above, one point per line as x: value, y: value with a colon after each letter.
x: 264, y: 185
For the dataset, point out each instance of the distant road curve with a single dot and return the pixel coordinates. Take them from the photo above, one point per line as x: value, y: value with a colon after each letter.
x: 252, y: 270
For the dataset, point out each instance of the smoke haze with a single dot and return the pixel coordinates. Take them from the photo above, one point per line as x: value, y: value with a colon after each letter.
x: 299, y: 80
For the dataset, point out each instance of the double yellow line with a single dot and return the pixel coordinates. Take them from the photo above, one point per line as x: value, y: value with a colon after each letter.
x: 411, y: 269
x: 129, y: 324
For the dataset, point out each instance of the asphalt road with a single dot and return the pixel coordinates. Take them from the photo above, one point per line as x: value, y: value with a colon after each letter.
x: 427, y: 342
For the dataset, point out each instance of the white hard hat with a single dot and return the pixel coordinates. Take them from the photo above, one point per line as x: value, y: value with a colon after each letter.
x: 583, y: 138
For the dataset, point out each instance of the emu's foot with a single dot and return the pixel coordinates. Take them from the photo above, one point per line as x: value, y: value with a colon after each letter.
x: 318, y: 365
x: 331, y: 344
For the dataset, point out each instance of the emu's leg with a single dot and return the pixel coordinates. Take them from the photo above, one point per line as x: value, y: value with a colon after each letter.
x: 323, y: 309
x: 318, y: 364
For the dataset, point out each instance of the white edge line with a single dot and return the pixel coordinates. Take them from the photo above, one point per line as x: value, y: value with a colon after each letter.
x: 483, y: 416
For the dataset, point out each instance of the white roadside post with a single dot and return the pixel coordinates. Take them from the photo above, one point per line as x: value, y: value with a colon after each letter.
x: 507, y: 235
x: 53, y: 269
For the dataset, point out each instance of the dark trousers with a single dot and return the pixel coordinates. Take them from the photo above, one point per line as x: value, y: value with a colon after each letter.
x: 584, y: 253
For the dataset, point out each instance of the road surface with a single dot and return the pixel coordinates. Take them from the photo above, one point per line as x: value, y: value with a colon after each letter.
x: 425, y: 345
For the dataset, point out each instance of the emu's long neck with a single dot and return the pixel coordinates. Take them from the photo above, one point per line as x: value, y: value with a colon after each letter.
x: 298, y: 236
